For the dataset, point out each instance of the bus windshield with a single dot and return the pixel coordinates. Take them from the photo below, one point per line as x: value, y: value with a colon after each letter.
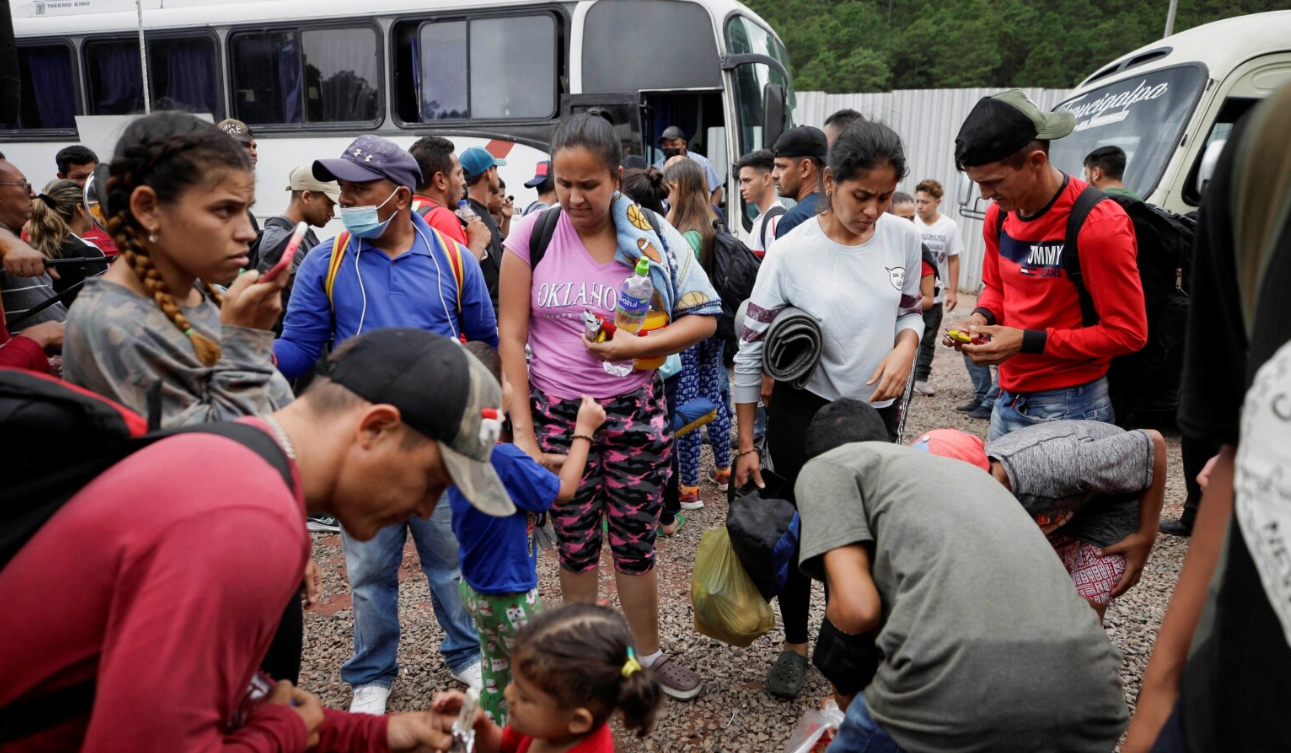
x: 1144, y: 115
x: 745, y: 37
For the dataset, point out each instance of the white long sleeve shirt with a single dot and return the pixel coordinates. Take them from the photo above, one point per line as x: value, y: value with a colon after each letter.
x: 861, y: 295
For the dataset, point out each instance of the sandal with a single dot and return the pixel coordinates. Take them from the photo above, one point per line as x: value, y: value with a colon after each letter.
x: 678, y: 521
x: 787, y: 675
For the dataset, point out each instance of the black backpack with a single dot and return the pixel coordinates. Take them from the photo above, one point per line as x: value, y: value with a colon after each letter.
x: 39, y: 412
x: 1146, y: 381
x: 735, y: 270
x: 775, y: 211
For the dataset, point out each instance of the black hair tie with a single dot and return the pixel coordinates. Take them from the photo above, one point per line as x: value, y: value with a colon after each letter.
x: 45, y: 198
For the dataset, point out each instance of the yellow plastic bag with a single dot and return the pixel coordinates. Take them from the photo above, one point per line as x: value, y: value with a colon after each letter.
x: 727, y: 605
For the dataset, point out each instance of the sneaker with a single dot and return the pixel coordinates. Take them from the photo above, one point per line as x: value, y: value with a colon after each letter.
x: 369, y: 699
x: 982, y: 413
x: 969, y: 406
x: 721, y: 479
x: 923, y: 388
x: 674, y: 679
x: 690, y: 498
x: 470, y: 677
x: 319, y: 523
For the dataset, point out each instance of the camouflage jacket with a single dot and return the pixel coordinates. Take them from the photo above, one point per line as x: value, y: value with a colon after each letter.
x: 119, y: 344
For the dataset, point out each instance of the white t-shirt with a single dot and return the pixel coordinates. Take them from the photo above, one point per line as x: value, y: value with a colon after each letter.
x: 942, y: 239
x: 861, y: 295
x: 755, y: 238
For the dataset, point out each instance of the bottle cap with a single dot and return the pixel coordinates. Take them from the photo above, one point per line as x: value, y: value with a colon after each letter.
x: 643, y: 266
x: 463, y: 203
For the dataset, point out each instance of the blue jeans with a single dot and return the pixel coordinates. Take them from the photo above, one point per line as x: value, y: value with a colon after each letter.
x: 859, y: 732
x: 1018, y: 410
x: 374, y: 582
x: 985, y: 388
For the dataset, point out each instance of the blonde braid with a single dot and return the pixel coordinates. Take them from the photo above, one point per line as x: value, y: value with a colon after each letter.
x: 208, y: 351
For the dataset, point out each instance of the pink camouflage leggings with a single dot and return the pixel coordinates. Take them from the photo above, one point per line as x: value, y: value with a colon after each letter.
x: 627, y: 471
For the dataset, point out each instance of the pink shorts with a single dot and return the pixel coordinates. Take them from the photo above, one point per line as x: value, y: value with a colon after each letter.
x: 1094, y: 575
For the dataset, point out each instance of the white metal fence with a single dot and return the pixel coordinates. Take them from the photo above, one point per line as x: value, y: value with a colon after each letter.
x: 927, y: 120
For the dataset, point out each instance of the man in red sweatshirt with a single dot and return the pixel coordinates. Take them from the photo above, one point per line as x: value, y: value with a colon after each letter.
x: 1052, y: 360
x: 136, y: 617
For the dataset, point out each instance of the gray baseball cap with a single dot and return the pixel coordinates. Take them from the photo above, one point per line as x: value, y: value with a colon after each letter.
x: 442, y: 392
x: 370, y: 158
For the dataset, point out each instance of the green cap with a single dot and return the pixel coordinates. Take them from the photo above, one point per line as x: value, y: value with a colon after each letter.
x: 1048, y: 125
x: 643, y: 266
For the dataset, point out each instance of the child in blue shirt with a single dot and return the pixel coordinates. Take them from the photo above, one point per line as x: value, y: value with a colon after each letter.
x: 499, y: 556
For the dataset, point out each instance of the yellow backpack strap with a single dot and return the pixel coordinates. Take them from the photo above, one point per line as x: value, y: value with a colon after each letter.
x: 334, y: 265
x: 454, y: 252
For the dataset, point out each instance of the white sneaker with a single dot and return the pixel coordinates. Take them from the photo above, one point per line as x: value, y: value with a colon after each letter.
x: 369, y: 699
x: 923, y: 388
x: 470, y: 677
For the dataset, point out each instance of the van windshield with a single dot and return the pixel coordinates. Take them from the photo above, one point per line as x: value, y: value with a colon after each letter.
x: 1144, y: 115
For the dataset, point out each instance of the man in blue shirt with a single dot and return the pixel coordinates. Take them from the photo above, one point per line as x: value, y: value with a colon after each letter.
x: 673, y: 143
x: 395, y: 273
x: 800, y: 155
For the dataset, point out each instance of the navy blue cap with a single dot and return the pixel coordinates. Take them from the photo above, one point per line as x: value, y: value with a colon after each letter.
x: 540, y: 176
x: 370, y: 158
x: 478, y: 159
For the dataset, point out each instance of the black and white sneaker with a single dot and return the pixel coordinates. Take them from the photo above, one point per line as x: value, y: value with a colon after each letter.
x: 319, y: 523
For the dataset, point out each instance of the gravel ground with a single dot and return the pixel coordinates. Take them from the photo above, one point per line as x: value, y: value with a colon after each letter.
x: 734, y: 713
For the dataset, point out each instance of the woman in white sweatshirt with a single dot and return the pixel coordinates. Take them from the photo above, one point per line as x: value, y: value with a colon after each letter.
x: 855, y: 269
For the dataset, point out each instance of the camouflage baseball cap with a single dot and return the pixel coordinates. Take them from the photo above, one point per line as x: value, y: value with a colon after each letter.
x: 237, y: 129
x: 442, y: 392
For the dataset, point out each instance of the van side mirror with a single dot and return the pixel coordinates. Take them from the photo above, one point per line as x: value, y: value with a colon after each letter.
x: 1209, y: 160
x: 773, y: 107
x: 970, y: 199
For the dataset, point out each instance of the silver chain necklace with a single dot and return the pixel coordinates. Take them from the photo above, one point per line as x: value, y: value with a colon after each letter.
x: 281, y: 436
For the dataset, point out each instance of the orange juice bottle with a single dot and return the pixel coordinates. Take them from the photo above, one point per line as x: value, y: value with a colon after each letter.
x: 654, y: 320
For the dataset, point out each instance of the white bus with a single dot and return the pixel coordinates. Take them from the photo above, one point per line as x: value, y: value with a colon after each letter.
x: 309, y: 75
x: 1171, y: 104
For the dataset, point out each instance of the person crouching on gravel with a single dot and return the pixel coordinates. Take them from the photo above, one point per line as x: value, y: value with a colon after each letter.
x: 934, y: 567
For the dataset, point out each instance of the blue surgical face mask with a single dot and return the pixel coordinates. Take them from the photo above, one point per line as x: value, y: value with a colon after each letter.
x: 363, y: 222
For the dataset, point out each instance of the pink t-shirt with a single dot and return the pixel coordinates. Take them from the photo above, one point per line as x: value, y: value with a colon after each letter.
x: 566, y: 283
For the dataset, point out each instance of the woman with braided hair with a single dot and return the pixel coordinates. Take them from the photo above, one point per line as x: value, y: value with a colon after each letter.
x: 178, y: 195
x: 59, y: 222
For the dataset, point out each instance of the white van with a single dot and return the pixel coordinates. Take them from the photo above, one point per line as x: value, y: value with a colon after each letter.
x: 1171, y: 104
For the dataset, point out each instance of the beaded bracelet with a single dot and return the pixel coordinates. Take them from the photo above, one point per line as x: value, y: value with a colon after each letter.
x: 581, y: 436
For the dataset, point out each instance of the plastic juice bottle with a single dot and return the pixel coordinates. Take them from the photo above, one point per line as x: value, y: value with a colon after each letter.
x: 654, y: 320
x: 632, y: 308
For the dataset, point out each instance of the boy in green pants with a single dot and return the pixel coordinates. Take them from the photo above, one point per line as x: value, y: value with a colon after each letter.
x: 499, y: 556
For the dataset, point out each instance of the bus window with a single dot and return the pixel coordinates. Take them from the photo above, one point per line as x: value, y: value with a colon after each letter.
x: 48, y: 79
x: 441, y: 77
x: 455, y: 70
x: 651, y: 45
x: 115, y: 83
x: 182, y: 75
x: 309, y: 76
x: 499, y: 87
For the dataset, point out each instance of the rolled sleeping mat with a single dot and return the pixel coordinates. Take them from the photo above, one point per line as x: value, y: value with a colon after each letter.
x: 792, y: 348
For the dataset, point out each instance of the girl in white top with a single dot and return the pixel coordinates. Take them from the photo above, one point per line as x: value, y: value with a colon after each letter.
x: 856, y: 270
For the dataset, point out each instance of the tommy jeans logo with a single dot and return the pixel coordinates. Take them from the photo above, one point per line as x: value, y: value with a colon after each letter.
x: 1044, y: 260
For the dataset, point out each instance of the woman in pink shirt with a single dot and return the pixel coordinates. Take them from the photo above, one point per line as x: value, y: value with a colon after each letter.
x: 541, y: 305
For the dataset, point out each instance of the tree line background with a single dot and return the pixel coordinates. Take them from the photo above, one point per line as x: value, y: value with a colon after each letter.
x: 847, y: 46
